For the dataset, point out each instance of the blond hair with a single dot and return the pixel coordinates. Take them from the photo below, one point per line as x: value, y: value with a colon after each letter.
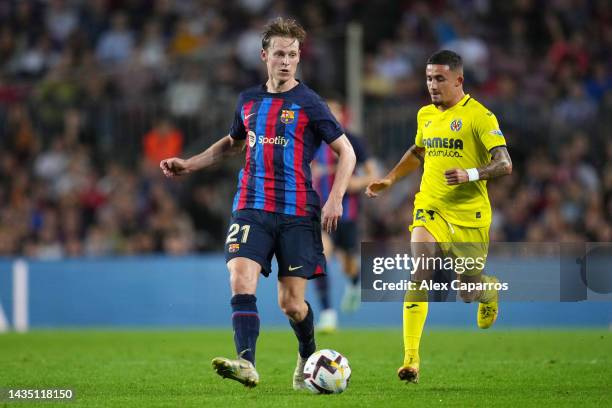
x: 280, y: 27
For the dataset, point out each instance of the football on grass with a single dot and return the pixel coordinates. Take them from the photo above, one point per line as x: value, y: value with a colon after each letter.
x: 327, y: 372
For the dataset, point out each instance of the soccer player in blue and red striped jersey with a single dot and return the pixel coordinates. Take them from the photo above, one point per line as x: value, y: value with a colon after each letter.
x: 276, y: 211
x: 344, y: 242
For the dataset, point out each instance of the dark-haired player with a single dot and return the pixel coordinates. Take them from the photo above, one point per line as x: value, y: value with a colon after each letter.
x: 461, y: 146
x: 276, y: 212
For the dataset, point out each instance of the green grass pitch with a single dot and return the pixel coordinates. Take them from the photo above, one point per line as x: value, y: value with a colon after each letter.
x: 517, y: 368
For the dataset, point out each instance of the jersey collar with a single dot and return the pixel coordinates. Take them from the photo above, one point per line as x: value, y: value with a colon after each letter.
x: 299, y: 85
x: 460, y: 103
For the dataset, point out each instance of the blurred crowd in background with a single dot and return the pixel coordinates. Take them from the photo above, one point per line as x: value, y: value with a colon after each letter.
x: 94, y: 93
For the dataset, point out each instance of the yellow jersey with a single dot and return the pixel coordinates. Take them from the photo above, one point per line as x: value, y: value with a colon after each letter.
x: 459, y: 137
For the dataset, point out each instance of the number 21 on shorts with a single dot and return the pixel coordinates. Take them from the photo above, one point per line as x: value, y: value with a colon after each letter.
x: 234, y: 229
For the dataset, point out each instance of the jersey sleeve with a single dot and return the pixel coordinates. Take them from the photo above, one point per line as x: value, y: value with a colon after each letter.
x: 418, y: 139
x: 323, y: 122
x: 361, y: 153
x: 487, y: 130
x: 238, y: 131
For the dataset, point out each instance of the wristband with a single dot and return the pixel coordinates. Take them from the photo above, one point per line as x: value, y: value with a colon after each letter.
x: 473, y: 174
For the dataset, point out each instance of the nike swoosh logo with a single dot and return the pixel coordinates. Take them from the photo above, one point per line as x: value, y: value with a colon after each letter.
x: 248, y: 116
x: 293, y: 269
x: 411, y: 306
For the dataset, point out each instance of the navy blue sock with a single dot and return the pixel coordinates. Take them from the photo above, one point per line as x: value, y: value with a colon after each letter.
x: 304, y: 331
x: 322, y: 286
x: 245, y: 321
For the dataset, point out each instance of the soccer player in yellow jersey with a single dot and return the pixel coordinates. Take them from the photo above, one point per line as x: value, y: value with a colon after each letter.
x: 461, y: 146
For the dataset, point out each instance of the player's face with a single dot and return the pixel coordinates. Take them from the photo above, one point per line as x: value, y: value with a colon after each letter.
x: 282, y: 57
x: 443, y: 84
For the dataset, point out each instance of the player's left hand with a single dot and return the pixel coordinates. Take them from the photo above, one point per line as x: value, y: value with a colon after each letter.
x: 456, y: 176
x: 331, y: 213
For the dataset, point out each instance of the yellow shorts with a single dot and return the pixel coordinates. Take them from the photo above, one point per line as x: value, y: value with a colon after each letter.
x: 455, y: 240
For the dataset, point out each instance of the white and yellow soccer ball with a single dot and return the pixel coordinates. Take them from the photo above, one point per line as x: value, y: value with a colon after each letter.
x: 327, y: 372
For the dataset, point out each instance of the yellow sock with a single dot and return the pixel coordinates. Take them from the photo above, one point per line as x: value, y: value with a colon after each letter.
x: 415, y: 313
x: 487, y: 295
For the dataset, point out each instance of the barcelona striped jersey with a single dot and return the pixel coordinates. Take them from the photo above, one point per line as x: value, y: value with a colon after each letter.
x: 326, y: 160
x: 282, y: 132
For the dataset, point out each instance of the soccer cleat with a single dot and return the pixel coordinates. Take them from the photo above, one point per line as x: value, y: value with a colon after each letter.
x: 409, y: 372
x: 328, y: 321
x: 487, y: 314
x: 351, y: 300
x: 487, y: 311
x: 298, y: 374
x: 239, y: 369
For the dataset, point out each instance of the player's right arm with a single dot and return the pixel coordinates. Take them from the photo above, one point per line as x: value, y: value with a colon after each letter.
x: 411, y: 161
x: 370, y: 173
x: 225, y: 147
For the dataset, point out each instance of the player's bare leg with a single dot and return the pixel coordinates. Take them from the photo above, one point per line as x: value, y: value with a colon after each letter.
x: 415, y: 306
x: 244, y: 274
x: 291, y: 292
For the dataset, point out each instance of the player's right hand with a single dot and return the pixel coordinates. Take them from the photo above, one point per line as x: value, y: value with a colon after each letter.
x: 174, y: 167
x: 377, y: 186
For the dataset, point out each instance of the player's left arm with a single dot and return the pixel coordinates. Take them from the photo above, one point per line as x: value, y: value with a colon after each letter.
x: 500, y: 165
x: 487, y: 132
x: 332, y: 210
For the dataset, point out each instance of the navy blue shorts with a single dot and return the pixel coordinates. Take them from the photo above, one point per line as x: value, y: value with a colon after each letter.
x: 346, y: 236
x: 295, y: 240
